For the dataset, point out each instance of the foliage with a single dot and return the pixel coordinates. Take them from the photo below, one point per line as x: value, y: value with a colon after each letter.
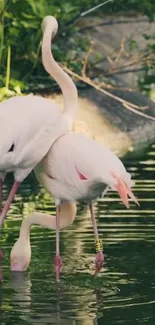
x: 20, y: 30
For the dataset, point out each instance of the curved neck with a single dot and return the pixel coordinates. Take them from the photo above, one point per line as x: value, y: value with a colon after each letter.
x: 64, y: 81
x: 67, y: 216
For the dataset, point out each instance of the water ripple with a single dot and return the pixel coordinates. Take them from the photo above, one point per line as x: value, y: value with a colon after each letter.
x: 124, y: 291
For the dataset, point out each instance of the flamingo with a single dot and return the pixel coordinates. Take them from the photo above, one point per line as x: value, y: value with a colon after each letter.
x: 30, y: 124
x: 76, y: 168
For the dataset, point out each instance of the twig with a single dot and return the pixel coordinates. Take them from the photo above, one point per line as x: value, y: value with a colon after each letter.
x: 109, y: 60
x: 143, y: 58
x: 130, y: 106
x: 86, y: 12
x: 83, y: 72
x: 117, y: 57
x: 103, y: 84
x: 94, y: 8
x: 120, y: 51
x: 96, y: 86
x: 139, y: 113
x: 132, y: 59
x: 84, y: 67
x: 108, y: 74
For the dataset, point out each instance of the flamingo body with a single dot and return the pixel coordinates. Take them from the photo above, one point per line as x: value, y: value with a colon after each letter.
x: 22, y: 119
x: 77, y: 167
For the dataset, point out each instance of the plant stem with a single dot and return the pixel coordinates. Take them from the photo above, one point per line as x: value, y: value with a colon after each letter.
x: 8, y: 67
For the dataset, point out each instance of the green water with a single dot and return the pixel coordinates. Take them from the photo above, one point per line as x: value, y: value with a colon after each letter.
x: 123, y: 293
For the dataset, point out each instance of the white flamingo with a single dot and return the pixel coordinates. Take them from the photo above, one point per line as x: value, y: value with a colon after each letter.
x: 78, y: 168
x: 30, y: 124
x: 75, y: 168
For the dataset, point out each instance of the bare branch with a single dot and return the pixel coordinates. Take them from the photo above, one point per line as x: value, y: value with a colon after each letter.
x: 83, y: 72
x: 130, y: 106
x: 139, y: 113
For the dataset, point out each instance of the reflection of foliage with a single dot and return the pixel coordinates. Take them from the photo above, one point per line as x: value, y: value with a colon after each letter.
x: 20, y: 30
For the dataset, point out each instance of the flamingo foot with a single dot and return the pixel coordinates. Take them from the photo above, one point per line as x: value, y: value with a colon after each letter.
x: 99, y: 261
x: 58, y: 267
x: 1, y: 257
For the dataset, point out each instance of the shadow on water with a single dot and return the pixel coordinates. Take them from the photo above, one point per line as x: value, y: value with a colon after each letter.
x: 124, y: 292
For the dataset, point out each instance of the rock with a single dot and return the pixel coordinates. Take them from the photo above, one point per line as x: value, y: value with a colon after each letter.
x: 112, y: 34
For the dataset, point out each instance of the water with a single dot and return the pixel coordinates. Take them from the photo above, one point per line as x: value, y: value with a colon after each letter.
x: 123, y: 293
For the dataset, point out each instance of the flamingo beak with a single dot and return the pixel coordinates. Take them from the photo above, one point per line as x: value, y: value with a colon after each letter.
x: 124, y: 191
x: 121, y: 189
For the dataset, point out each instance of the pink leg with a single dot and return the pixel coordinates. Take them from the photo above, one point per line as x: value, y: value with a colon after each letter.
x: 1, y: 190
x: 99, y: 257
x: 4, y: 212
x: 1, y: 254
x: 9, y: 201
x: 58, y: 260
x: 2, y: 176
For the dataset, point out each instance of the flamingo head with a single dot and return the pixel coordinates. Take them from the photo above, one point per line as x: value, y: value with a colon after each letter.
x: 20, y: 256
x: 122, y: 184
x: 51, y: 21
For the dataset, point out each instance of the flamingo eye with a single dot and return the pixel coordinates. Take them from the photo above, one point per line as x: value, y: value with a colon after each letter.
x: 11, y: 148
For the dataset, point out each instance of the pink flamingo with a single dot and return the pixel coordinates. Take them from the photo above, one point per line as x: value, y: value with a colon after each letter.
x: 30, y: 124
x: 76, y: 168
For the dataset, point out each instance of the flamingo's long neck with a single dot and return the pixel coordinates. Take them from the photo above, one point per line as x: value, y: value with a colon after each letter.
x: 64, y: 81
x: 67, y: 216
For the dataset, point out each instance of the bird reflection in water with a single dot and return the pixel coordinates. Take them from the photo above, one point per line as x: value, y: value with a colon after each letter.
x: 36, y: 312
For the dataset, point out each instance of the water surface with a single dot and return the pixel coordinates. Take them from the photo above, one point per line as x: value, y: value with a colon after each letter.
x: 123, y: 293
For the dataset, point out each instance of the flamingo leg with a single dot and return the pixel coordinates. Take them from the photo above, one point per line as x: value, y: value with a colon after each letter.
x: 2, y: 177
x: 1, y: 197
x: 58, y: 260
x: 98, y: 243
x: 1, y: 194
x: 9, y: 201
x: 4, y: 212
